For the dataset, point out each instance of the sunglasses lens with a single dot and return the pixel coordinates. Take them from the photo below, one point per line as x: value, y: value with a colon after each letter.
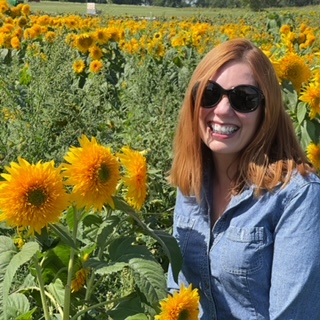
x: 244, y: 98
x: 211, y: 96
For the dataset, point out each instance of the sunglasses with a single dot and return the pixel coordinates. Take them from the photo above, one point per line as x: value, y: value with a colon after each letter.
x: 243, y: 98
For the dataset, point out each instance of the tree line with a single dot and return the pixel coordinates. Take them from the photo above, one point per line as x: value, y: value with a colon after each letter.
x: 255, y: 5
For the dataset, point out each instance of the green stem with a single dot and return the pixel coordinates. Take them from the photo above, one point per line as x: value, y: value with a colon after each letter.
x: 41, y: 287
x: 90, y: 282
x: 97, y: 306
x: 67, y: 292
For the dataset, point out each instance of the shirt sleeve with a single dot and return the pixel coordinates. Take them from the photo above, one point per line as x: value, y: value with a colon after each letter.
x: 295, y: 279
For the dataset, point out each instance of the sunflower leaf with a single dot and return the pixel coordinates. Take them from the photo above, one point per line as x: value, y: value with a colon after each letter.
x: 168, y: 242
x: 26, y: 253
x: 139, y: 316
x: 64, y: 235
x: 173, y: 251
x: 149, y: 277
x: 104, y: 268
x: 18, y: 307
x: 7, y: 251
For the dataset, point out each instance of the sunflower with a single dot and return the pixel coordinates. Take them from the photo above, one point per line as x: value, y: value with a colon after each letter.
x: 78, y: 66
x: 313, y: 152
x: 95, y: 66
x: 95, y: 53
x: 25, y: 9
x: 15, y: 43
x: 80, y: 280
x: 4, y: 7
x: 183, y: 305
x: 135, y: 178
x: 33, y: 195
x: 294, y: 69
x: 84, y: 41
x: 102, y: 35
x: 23, y: 21
x: 311, y: 95
x: 50, y: 36
x: 93, y: 171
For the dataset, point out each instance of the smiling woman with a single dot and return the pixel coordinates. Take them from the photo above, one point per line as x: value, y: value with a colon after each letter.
x: 247, y: 213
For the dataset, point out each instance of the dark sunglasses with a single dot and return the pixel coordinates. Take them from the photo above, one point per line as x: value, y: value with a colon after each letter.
x: 244, y: 98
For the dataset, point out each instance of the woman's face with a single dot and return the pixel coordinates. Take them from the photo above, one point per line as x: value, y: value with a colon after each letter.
x: 225, y: 131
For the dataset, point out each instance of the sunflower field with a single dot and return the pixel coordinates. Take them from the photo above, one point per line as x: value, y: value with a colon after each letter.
x: 88, y: 108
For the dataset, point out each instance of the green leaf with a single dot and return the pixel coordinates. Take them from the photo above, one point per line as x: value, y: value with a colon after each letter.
x: 106, y: 229
x: 91, y: 219
x: 301, y: 112
x: 168, y: 242
x: 122, y: 249
x: 55, y: 263
x: 45, y: 240
x: 18, y: 305
x: 7, y: 250
x: 305, y: 138
x: 104, y: 268
x: 64, y: 235
x: 127, y: 307
x: 27, y: 316
x: 150, y: 279
x: 139, y: 316
x: 172, y: 249
x: 57, y: 291
x: 26, y: 253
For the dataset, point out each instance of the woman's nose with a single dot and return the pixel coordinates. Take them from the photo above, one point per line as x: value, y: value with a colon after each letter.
x: 224, y: 106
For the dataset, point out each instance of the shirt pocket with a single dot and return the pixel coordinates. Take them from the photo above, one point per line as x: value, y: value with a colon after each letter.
x: 242, y: 251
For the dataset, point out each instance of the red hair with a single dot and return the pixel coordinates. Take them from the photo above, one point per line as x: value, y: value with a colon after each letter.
x: 273, y: 153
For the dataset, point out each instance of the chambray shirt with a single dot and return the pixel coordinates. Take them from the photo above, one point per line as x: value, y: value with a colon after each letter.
x: 260, y: 260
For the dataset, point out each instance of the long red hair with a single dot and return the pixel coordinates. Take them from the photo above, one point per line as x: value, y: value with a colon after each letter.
x: 273, y: 153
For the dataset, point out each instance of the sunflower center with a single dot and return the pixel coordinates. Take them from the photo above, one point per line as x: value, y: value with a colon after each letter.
x: 37, y: 197
x: 184, y: 315
x: 104, y: 173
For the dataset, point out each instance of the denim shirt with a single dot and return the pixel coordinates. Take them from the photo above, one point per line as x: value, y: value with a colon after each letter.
x: 260, y: 260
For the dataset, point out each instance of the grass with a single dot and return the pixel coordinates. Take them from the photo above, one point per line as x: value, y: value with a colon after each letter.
x: 119, y: 10
x: 54, y: 7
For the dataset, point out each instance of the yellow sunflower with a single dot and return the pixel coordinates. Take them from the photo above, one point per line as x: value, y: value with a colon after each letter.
x: 22, y: 21
x: 84, y: 41
x: 93, y: 171
x: 95, y: 66
x: 25, y: 9
x: 135, y: 178
x: 182, y: 305
x: 50, y: 36
x: 95, y: 53
x: 102, y: 35
x: 311, y: 95
x: 313, y: 152
x: 78, y: 66
x: 33, y: 195
x: 15, y: 43
x: 79, y: 280
x: 294, y: 69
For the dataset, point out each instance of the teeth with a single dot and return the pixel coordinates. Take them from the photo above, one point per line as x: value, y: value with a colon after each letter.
x: 217, y: 128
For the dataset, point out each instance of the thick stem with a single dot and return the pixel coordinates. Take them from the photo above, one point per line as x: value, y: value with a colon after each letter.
x: 41, y: 287
x: 67, y: 292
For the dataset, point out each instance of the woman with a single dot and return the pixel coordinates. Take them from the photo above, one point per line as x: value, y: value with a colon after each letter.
x: 247, y: 215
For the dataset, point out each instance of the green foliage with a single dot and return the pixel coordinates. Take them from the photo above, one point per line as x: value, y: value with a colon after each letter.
x: 115, y: 253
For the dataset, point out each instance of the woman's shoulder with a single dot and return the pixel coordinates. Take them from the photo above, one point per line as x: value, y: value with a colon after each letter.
x: 307, y: 185
x: 300, y: 180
